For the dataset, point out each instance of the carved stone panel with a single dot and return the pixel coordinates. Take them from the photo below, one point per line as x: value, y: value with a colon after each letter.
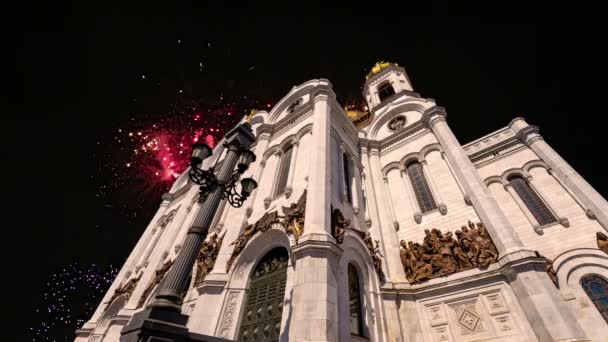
x: 467, y: 317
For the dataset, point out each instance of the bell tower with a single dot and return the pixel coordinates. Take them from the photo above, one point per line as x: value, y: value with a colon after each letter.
x: 384, y: 81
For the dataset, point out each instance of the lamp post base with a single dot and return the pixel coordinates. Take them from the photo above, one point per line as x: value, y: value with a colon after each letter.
x: 158, y: 325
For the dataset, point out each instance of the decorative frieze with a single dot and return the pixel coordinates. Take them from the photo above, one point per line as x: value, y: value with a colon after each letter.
x: 206, y: 257
x: 442, y: 254
x: 292, y: 222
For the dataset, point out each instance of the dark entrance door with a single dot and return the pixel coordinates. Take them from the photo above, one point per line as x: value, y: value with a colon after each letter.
x: 262, y: 317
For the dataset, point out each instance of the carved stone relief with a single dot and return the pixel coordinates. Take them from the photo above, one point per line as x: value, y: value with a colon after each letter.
x: 228, y: 317
x: 206, y: 257
x: 442, y: 254
x: 478, y: 317
x: 397, y: 123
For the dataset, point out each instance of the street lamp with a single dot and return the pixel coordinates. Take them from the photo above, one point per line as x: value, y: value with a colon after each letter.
x: 208, y: 182
x: 163, y: 318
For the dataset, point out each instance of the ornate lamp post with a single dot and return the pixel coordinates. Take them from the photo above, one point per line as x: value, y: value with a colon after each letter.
x: 163, y: 318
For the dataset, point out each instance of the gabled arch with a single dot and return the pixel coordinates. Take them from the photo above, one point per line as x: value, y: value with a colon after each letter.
x: 392, y: 110
x: 295, y: 93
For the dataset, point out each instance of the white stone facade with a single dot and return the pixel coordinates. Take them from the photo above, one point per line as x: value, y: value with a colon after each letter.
x: 511, y: 300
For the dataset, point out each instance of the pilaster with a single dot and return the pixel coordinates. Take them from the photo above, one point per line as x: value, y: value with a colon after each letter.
x: 578, y: 185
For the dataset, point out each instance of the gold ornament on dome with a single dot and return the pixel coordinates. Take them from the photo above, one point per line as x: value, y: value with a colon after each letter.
x: 250, y: 115
x: 379, y: 67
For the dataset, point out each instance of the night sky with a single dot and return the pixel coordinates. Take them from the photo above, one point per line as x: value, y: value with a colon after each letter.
x: 89, y: 75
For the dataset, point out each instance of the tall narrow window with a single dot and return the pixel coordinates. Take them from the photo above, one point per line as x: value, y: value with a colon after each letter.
x: 283, y: 171
x: 422, y: 191
x: 385, y: 90
x: 354, y: 299
x: 347, y: 178
x: 539, y: 210
x: 597, y: 290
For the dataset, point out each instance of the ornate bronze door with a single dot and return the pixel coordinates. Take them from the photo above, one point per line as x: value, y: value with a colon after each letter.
x: 262, y: 317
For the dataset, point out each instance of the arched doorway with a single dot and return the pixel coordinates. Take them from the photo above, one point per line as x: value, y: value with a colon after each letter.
x: 262, y: 316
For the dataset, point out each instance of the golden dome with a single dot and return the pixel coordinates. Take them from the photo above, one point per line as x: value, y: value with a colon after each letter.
x: 379, y: 67
x: 353, y: 114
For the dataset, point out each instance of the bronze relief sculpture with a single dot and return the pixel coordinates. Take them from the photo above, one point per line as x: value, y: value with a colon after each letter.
x: 206, y: 257
x: 339, y: 225
x: 602, y: 242
x: 442, y: 254
x: 126, y: 289
x: 158, y: 276
x: 292, y: 222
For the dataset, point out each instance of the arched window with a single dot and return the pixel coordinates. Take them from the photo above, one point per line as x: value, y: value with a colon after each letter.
x: 354, y: 300
x: 283, y: 171
x: 597, y: 290
x: 385, y: 90
x: 347, y: 177
x: 537, y: 207
x: 421, y: 188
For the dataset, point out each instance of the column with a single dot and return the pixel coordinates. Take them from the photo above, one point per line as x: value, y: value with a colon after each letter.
x: 548, y: 200
x: 410, y: 195
x: 577, y: 184
x: 549, y: 316
x: 394, y: 268
x: 356, y: 185
x: 443, y: 209
x: 467, y: 198
x: 138, y: 261
x: 522, y: 206
x: 176, y: 280
x: 390, y: 203
x: 257, y: 168
x: 224, y: 209
x: 365, y: 194
x: 292, y: 168
x: 504, y: 236
x: 315, y: 288
x: 273, y: 186
x: 578, y: 201
x: 343, y: 196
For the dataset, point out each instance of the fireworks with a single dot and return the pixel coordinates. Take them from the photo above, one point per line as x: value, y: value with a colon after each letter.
x: 69, y: 299
x: 148, y: 155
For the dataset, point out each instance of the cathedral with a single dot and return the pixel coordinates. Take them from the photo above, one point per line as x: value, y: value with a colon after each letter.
x: 379, y: 225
